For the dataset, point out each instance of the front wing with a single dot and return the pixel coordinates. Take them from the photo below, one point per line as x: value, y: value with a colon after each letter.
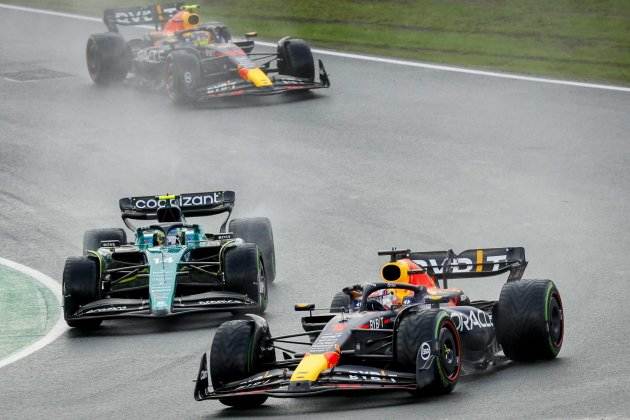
x: 276, y: 382
x: 130, y: 308
x: 244, y: 88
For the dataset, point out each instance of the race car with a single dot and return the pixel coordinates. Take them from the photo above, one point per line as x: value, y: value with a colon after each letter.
x: 407, y: 332
x: 195, y: 62
x: 172, y: 267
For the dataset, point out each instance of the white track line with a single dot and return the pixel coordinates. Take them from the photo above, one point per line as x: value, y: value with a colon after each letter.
x: 376, y: 59
x: 59, y: 328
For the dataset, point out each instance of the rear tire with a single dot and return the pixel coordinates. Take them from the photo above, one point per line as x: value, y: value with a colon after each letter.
x: 340, y: 302
x: 257, y: 230
x: 295, y: 58
x: 108, y: 58
x: 425, y: 333
x: 530, y: 320
x: 80, y: 286
x: 183, y: 76
x: 245, y: 274
x: 92, y: 238
x: 238, y: 352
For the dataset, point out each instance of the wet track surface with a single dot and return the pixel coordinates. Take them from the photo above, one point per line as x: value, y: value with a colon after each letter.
x: 389, y: 156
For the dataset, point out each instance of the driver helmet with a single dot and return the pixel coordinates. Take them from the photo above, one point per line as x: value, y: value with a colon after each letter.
x: 387, y: 298
x: 159, y: 239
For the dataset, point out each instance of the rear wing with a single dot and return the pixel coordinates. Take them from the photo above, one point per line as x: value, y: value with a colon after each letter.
x: 190, y: 204
x: 155, y: 15
x: 482, y: 262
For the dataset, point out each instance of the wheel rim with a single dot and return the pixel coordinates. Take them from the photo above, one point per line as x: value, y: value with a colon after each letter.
x: 262, y: 286
x: 555, y: 323
x: 450, y: 351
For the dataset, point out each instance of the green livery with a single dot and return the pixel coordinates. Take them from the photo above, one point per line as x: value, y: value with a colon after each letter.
x: 172, y: 267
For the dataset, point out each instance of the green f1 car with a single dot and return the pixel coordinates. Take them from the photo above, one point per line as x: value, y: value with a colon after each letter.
x: 172, y: 267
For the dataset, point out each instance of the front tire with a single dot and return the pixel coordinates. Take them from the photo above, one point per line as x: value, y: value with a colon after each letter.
x: 427, y: 334
x: 92, y: 238
x: 108, y: 58
x: 183, y: 76
x: 80, y: 286
x: 238, y: 351
x: 295, y: 58
x: 530, y: 320
x: 340, y: 302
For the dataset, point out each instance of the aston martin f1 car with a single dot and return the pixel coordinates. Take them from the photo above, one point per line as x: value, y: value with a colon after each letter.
x: 172, y: 267
x: 195, y: 62
x: 408, y: 332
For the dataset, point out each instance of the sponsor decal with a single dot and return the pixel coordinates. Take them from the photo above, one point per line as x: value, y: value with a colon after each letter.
x: 217, y: 302
x: 222, y: 87
x: 376, y: 323
x: 133, y: 16
x: 367, y: 375
x: 110, y: 309
x: 185, y: 200
x: 110, y: 244
x: 462, y: 265
x: 425, y: 351
x: 474, y: 319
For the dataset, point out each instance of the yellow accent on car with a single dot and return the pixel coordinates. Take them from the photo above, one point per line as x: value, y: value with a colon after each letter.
x: 258, y: 78
x: 309, y: 368
x: 479, y: 263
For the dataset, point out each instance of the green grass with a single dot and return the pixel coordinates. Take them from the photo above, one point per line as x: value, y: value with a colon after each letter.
x: 28, y: 310
x: 577, y: 39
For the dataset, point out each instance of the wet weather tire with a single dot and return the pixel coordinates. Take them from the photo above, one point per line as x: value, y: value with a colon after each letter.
x: 530, y: 320
x: 244, y: 273
x: 426, y: 334
x: 92, y: 238
x: 257, y: 230
x: 340, y: 302
x: 108, y: 58
x: 80, y: 286
x: 295, y: 58
x: 183, y: 77
x: 238, y: 352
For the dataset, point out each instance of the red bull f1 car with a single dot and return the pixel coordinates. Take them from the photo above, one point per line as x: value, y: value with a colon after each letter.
x: 195, y: 62
x: 172, y: 267
x: 408, y: 332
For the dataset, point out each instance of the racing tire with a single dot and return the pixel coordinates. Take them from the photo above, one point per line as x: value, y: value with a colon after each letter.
x: 238, y: 352
x: 295, y: 58
x: 425, y: 334
x: 92, y: 238
x: 340, y: 302
x: 183, y: 77
x: 257, y: 230
x: 80, y: 286
x: 108, y: 58
x: 245, y: 273
x: 530, y: 320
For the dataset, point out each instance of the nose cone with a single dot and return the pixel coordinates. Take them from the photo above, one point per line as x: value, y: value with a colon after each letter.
x: 256, y: 76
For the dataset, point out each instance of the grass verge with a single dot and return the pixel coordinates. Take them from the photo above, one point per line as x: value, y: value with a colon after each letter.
x: 585, y: 40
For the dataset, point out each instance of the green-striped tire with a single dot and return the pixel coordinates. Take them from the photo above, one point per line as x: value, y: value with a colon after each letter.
x: 530, y: 320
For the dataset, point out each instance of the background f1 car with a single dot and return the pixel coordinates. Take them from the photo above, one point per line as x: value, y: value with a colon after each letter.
x: 199, y: 63
x: 406, y: 333
x: 172, y: 267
